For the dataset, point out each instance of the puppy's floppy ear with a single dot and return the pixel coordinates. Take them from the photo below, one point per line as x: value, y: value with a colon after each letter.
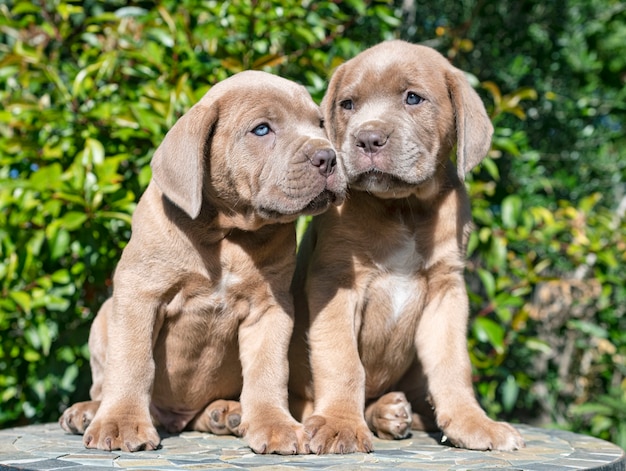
x: 178, y: 164
x: 473, y: 126
x: 329, y: 104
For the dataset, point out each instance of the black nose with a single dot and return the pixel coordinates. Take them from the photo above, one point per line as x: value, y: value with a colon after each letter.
x: 371, y: 141
x: 325, y: 160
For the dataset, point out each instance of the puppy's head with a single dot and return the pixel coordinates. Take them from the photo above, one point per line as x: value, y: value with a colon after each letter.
x: 395, y: 112
x: 253, y: 146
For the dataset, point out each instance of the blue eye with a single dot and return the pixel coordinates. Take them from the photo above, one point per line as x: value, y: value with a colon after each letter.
x: 261, y: 130
x: 413, y: 99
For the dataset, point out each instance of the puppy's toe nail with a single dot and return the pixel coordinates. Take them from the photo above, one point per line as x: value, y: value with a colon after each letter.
x: 234, y: 421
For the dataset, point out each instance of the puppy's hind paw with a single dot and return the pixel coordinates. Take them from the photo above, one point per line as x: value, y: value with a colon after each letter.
x: 221, y: 417
x: 390, y: 416
x: 77, y: 418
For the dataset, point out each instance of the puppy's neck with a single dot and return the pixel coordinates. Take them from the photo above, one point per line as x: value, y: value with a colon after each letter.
x: 423, y: 203
x: 213, y: 224
x: 238, y: 221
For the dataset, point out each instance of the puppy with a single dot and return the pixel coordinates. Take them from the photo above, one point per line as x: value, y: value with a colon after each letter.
x: 201, y: 314
x: 379, y: 285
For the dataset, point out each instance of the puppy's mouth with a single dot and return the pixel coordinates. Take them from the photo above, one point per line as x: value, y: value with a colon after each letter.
x: 380, y: 182
x: 320, y: 203
x: 317, y: 205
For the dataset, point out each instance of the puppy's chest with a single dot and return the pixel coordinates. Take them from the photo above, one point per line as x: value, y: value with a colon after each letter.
x: 223, y: 288
x: 396, y: 284
x: 226, y: 288
x: 234, y: 284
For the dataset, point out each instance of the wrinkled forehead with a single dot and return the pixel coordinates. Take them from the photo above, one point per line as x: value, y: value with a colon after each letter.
x: 247, y: 100
x: 393, y: 69
x: 256, y: 88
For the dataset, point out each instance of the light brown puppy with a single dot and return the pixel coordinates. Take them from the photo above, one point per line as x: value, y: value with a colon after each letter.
x: 201, y: 309
x: 380, y: 278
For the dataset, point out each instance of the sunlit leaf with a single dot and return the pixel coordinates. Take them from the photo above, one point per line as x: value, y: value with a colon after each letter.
x: 511, y: 210
x: 489, y: 331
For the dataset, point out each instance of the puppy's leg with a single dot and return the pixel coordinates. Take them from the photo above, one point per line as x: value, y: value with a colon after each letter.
x: 76, y: 419
x: 266, y: 422
x: 390, y: 416
x: 221, y: 417
x: 337, y: 424
x: 442, y: 347
x: 123, y: 419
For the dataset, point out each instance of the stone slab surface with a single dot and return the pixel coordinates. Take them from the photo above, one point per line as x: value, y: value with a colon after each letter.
x: 47, y: 447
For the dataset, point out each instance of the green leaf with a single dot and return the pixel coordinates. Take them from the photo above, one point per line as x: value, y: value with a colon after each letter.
x: 59, y: 244
x: 45, y: 337
x: 161, y: 36
x: 68, y: 380
x: 506, y: 144
x: 47, y: 177
x: 588, y: 328
x: 125, y: 12
x: 492, y: 168
x: 510, y: 393
x: 489, y: 282
x: 511, y: 211
x: 486, y: 330
x: 127, y: 218
x: 590, y: 408
x: 600, y: 424
x: 22, y: 299
x: 93, y: 152
x: 301, y: 225
x: 31, y: 356
x: 538, y: 345
x: 497, y: 253
x: 72, y: 220
x: 56, y: 303
x: 61, y: 276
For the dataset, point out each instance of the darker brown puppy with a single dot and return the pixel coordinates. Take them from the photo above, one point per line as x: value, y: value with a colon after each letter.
x: 380, y: 278
x: 201, y: 309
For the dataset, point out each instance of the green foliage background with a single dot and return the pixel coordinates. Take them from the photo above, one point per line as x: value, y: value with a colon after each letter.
x: 89, y: 89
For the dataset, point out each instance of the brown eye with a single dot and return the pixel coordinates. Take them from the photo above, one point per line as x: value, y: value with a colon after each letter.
x: 413, y: 99
x: 347, y: 104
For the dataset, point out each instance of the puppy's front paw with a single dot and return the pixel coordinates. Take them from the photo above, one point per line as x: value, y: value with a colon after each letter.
x: 271, y: 435
x: 77, y: 418
x: 477, y: 432
x: 221, y: 417
x: 390, y: 416
x: 333, y: 435
x: 125, y: 434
